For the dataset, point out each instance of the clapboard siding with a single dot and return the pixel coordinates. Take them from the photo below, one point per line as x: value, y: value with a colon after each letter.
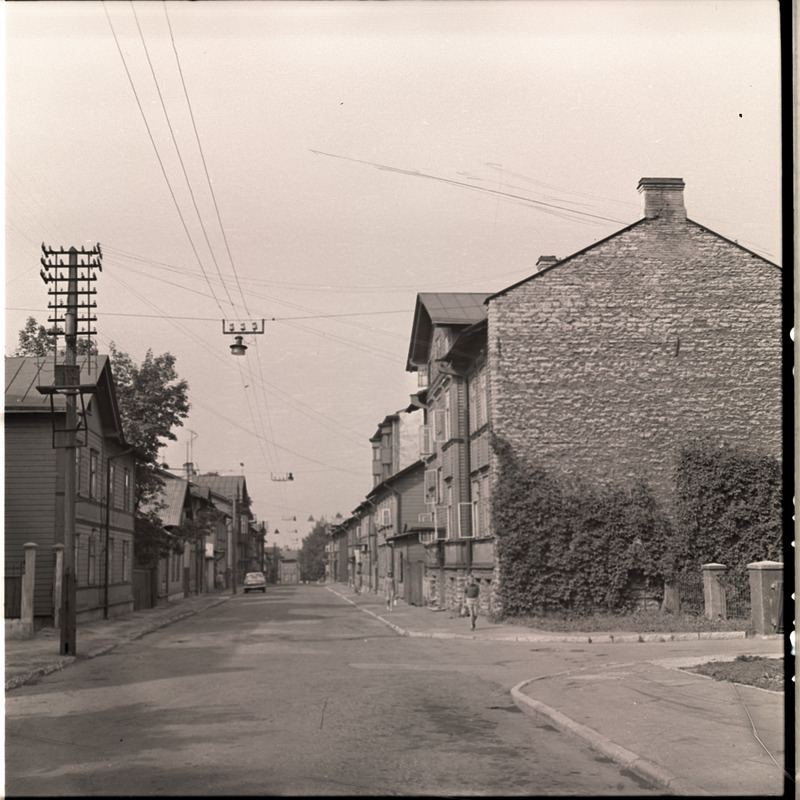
x: 30, y: 489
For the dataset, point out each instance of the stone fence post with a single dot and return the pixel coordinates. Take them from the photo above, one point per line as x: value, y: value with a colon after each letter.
x: 28, y: 585
x: 58, y: 574
x: 714, y: 592
x: 766, y: 595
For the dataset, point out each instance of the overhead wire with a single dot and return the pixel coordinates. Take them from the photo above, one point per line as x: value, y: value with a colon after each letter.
x: 158, y: 157
x: 361, y: 288
x: 178, y: 149
x: 256, y: 418
x: 203, y: 159
x: 336, y: 426
x: 550, y: 208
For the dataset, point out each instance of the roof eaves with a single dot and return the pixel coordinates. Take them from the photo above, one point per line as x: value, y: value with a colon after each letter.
x: 734, y: 242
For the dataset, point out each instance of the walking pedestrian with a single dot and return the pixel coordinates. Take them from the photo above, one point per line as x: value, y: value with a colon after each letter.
x: 358, y: 578
x: 471, y: 593
x: 390, y: 590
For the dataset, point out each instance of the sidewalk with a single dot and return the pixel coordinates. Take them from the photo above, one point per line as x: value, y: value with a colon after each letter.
x: 28, y: 659
x: 683, y: 733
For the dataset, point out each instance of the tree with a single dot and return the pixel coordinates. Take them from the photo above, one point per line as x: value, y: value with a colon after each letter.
x: 152, y: 401
x: 311, y: 558
x: 36, y: 340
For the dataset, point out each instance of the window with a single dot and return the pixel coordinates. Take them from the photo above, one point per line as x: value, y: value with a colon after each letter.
x: 425, y: 444
x: 126, y: 488
x: 480, y: 506
x: 110, y: 577
x: 77, y: 470
x: 422, y: 377
x: 91, y: 577
x: 125, y: 558
x: 441, y: 424
x: 93, y: 457
x: 386, y: 516
x: 483, y: 399
x: 451, y: 521
x: 76, y: 556
x: 440, y: 522
x: 465, y: 530
x: 111, y: 485
x: 431, y: 486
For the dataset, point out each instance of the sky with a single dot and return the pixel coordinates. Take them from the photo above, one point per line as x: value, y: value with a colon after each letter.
x: 317, y: 164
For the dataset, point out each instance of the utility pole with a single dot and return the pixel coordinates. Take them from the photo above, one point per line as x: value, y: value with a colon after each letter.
x: 232, y: 553
x: 67, y: 382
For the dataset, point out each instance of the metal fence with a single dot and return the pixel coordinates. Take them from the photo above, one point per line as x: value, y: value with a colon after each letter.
x: 14, y: 570
x: 690, y: 591
x: 737, y: 593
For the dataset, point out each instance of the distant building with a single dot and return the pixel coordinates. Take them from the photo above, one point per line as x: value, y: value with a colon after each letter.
x: 234, y: 501
x: 288, y: 568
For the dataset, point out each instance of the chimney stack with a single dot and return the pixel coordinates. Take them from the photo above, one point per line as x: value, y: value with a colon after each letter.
x: 663, y: 198
x: 545, y: 261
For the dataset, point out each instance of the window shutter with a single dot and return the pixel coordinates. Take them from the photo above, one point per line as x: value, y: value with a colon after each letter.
x: 439, y: 433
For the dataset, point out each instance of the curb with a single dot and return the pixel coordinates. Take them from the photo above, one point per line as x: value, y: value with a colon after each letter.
x: 644, y: 768
x: 603, y: 638
x: 55, y: 666
x: 61, y: 662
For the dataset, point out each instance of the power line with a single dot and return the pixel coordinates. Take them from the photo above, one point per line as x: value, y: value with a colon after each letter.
x: 296, y: 404
x: 203, y: 159
x: 158, y: 157
x: 178, y: 151
x: 549, y: 208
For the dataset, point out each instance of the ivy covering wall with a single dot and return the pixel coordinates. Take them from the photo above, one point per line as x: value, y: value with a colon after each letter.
x: 729, y: 506
x: 565, y: 545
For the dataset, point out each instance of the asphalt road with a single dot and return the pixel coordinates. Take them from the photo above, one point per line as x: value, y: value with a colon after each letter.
x: 298, y: 693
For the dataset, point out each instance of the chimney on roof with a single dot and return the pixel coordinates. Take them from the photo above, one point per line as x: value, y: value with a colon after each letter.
x: 189, y: 467
x: 663, y: 198
x: 545, y: 261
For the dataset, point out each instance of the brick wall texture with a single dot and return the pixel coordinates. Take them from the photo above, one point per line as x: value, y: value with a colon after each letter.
x: 606, y: 364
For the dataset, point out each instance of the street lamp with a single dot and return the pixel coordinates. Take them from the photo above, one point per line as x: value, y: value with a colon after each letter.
x: 238, y: 348
x: 239, y: 327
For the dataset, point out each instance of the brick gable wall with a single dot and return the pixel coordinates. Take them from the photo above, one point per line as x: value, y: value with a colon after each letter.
x: 604, y: 365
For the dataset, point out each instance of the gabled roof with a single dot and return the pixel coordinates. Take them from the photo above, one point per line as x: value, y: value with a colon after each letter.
x: 643, y: 221
x: 417, y: 466
x: 25, y: 373
x: 229, y: 486
x: 441, y: 308
x: 173, y: 496
x: 468, y: 344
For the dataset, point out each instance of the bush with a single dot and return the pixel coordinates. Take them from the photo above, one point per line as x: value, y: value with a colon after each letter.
x: 567, y: 546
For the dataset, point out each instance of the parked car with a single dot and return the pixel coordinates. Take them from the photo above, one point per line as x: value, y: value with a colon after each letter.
x: 255, y: 582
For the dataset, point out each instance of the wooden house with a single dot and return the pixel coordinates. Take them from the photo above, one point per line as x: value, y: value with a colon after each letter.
x: 34, y: 487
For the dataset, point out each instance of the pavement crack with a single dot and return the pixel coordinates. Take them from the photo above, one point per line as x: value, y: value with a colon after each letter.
x: 322, y: 716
